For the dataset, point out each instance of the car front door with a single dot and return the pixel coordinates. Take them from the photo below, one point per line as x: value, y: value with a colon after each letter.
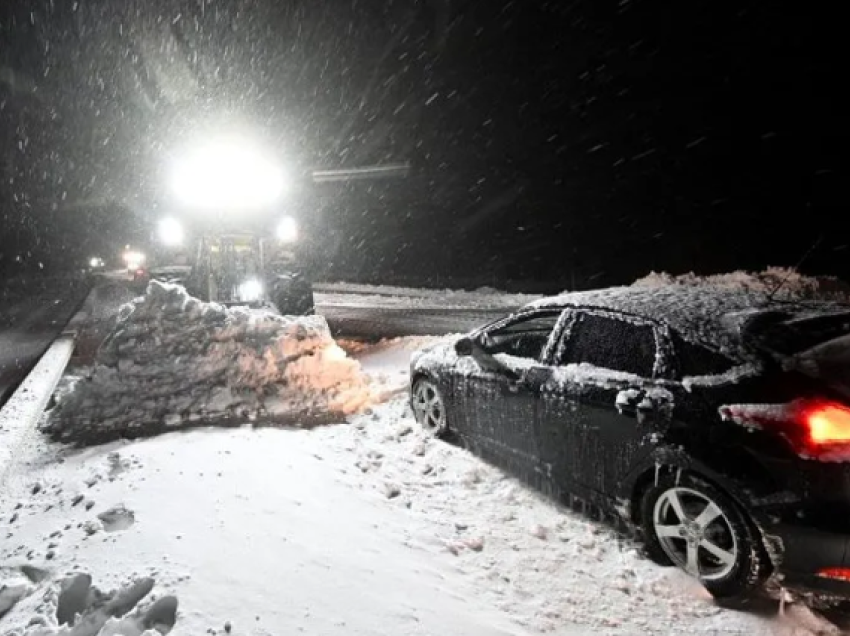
x: 602, y: 404
x: 498, y: 407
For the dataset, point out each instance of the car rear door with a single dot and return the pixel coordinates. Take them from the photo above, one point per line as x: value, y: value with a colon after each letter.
x: 602, y: 403
x: 498, y: 408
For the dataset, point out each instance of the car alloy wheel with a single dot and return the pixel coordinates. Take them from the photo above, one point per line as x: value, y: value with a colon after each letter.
x: 695, y: 534
x: 428, y: 408
x: 690, y: 523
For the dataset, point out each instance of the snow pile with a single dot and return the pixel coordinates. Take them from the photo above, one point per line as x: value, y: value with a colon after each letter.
x: 789, y: 282
x: 172, y: 360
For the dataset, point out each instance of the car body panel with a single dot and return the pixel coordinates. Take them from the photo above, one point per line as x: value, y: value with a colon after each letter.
x: 500, y: 413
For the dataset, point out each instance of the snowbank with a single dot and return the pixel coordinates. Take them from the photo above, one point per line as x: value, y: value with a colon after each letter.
x: 789, y: 282
x: 172, y: 360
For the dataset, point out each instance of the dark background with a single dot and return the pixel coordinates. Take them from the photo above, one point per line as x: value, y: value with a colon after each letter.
x: 564, y: 143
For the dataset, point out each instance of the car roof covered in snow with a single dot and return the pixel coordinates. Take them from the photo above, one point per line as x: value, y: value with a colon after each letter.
x: 710, y: 314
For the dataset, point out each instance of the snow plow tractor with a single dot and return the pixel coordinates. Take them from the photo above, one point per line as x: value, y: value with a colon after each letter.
x: 247, y: 268
x: 227, y: 229
x: 227, y: 195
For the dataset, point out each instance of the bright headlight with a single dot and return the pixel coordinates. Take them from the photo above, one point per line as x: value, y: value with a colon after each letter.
x: 251, y: 290
x: 227, y: 173
x: 171, y: 232
x: 287, y: 230
x: 134, y: 259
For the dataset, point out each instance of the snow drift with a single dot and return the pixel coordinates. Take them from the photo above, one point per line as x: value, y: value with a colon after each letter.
x: 172, y: 360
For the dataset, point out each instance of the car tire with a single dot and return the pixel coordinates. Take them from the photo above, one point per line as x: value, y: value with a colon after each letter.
x: 429, y: 407
x: 690, y: 523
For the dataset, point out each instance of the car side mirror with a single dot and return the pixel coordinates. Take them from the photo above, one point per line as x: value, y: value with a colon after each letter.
x: 464, y: 347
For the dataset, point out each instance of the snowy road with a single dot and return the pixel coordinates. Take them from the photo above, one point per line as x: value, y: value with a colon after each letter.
x: 362, y: 311
x: 31, y: 317
x: 352, y: 321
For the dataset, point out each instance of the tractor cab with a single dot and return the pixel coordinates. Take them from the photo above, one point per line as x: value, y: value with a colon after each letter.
x: 227, y: 195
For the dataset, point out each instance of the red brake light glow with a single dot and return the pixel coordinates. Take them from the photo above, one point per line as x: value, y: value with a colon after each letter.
x: 842, y: 574
x: 816, y: 429
x: 828, y: 423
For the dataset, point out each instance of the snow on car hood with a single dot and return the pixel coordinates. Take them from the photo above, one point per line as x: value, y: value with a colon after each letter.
x: 172, y: 360
x: 436, y: 357
x: 442, y: 357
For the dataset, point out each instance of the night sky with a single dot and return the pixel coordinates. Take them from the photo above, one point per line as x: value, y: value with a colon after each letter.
x: 572, y: 143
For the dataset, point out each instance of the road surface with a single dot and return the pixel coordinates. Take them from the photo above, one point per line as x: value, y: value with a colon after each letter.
x: 31, y: 317
x: 355, y: 321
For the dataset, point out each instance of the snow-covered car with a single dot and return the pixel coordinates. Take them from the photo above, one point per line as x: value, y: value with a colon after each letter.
x: 714, y: 421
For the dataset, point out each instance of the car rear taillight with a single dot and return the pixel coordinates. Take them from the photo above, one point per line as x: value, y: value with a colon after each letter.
x: 828, y: 423
x: 840, y: 574
x: 816, y: 429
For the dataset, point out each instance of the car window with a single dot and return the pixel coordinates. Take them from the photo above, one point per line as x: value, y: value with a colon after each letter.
x: 695, y: 360
x: 610, y: 343
x: 524, y: 338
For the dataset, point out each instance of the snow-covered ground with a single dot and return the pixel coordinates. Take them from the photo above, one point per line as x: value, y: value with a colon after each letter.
x: 364, y: 527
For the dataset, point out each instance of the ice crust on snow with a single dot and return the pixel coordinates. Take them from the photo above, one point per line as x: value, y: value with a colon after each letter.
x: 172, y: 360
x: 788, y: 282
x: 753, y: 416
x: 732, y: 376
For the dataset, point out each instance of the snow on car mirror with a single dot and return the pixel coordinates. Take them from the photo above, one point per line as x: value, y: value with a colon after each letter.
x: 487, y: 361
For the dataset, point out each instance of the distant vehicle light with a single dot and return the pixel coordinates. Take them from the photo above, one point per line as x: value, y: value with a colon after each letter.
x: 134, y: 259
x: 95, y: 262
x: 171, y: 232
x: 227, y: 174
x: 287, y: 230
x: 251, y: 290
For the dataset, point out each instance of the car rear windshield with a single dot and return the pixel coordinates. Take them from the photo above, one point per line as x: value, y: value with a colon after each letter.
x: 796, y: 335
